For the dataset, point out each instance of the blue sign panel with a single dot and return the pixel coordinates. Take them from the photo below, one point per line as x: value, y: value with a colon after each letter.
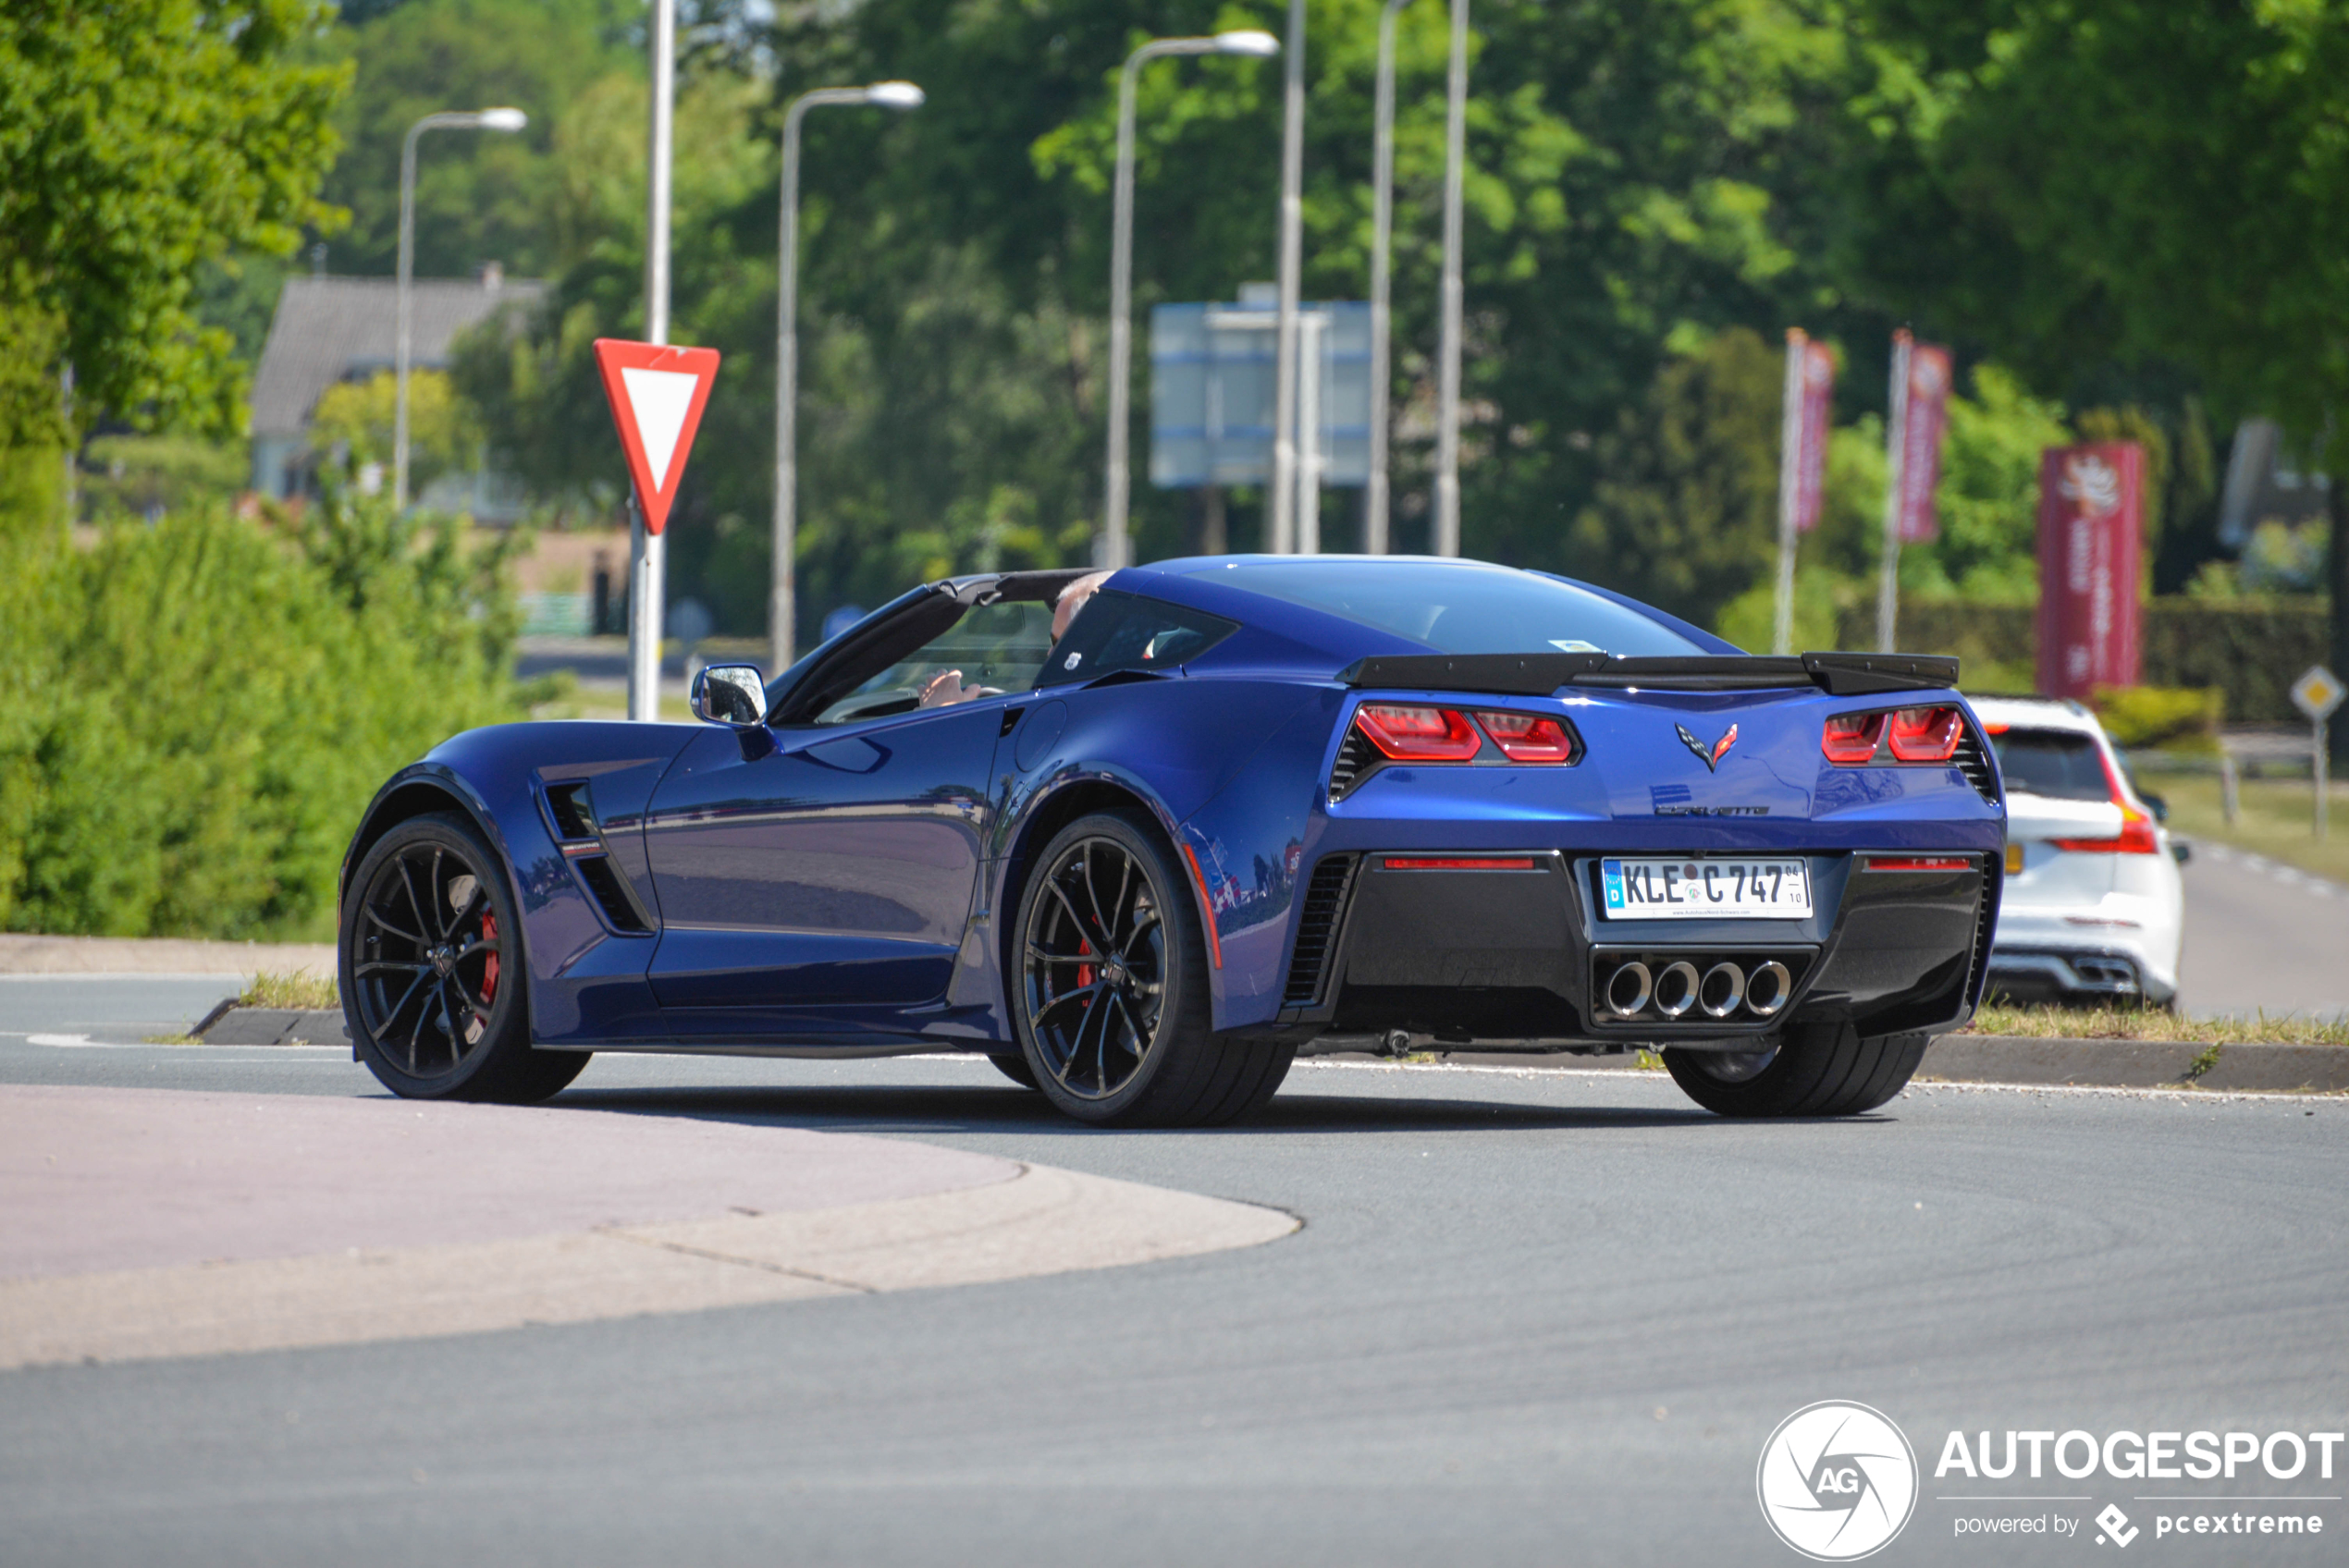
x: 1211, y: 389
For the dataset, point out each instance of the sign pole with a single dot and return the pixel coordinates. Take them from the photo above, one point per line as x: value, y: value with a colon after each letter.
x: 647, y: 553
x: 2317, y: 694
x: 1896, y: 430
x: 1789, y: 485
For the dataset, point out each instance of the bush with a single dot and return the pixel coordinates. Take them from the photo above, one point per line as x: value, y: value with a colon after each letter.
x: 2180, y: 718
x: 192, y: 715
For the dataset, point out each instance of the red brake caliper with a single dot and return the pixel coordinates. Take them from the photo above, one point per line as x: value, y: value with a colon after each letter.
x: 1084, y: 970
x: 490, y: 969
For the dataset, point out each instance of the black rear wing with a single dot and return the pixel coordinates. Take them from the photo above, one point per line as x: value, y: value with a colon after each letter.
x: 1538, y: 675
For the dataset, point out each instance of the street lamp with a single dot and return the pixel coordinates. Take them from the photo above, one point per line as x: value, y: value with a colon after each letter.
x: 1448, y: 375
x: 1374, y: 502
x: 1249, y: 43
x: 1281, y: 523
x: 472, y: 119
x: 781, y: 607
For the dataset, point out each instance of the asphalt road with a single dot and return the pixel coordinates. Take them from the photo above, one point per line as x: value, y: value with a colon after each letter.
x: 1532, y: 1317
x: 2262, y: 936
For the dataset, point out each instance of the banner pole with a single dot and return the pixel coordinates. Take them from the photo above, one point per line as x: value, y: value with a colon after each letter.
x: 1896, y: 427
x: 1789, y: 488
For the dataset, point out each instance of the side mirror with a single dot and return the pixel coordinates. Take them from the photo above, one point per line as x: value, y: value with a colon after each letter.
x: 731, y: 694
x: 2156, y: 804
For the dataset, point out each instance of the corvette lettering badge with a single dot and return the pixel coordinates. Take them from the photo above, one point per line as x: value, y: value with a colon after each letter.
x: 1712, y: 757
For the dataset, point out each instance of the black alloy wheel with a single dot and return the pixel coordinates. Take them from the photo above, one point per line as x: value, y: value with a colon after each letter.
x: 1110, y: 987
x: 431, y: 961
x: 1095, y: 967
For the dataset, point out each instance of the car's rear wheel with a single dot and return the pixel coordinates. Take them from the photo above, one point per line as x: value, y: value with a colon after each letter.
x: 1808, y: 1070
x: 431, y: 971
x: 1110, y: 989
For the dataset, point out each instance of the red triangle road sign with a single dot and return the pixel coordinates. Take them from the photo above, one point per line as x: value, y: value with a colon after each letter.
x: 656, y: 393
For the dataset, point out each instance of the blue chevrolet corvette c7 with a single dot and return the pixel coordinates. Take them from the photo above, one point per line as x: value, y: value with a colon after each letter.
x: 1240, y: 807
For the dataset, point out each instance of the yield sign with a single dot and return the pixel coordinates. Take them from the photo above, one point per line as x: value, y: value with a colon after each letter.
x: 656, y: 395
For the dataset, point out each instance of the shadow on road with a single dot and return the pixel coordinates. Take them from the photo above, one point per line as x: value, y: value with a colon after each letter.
x: 916, y: 1110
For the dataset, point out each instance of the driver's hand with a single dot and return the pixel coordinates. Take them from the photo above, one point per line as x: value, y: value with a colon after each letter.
x: 945, y: 688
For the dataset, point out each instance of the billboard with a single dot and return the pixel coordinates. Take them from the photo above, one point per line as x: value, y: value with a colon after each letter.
x: 1211, y: 387
x: 2091, y: 520
x: 1812, y: 384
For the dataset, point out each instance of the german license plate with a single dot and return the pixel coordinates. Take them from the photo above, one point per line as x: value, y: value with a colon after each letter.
x: 1706, y: 889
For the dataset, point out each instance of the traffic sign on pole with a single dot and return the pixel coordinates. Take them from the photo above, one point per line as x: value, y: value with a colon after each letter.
x: 656, y: 395
x: 2317, y: 694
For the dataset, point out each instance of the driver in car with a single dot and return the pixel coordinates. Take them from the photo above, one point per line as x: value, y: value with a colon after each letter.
x: 946, y: 687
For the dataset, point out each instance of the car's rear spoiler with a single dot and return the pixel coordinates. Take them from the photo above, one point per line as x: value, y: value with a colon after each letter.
x: 1537, y: 675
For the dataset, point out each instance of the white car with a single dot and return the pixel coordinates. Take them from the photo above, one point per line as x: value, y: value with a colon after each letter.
x: 2094, y: 909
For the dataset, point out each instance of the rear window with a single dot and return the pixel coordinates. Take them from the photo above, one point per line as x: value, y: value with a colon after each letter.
x: 1460, y: 610
x: 2060, y: 765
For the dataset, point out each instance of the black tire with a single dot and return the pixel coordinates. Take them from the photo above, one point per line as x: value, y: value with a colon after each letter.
x: 1119, y: 980
x: 431, y: 962
x: 1016, y: 1068
x: 1816, y: 1070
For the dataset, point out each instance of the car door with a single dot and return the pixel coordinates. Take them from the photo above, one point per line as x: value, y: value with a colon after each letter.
x: 827, y: 859
x: 829, y: 867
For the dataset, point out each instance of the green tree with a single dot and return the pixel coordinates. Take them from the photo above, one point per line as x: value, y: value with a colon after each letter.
x: 136, y: 141
x: 2128, y: 181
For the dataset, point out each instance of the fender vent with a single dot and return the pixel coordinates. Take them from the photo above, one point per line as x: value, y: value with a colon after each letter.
x: 1317, y: 928
x: 611, y: 893
x: 568, y: 805
x: 1354, y: 761
x: 1971, y: 762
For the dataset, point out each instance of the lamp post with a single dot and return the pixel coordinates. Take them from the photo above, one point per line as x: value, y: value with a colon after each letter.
x: 782, y: 601
x: 1375, y: 493
x: 1116, y: 482
x: 1282, y: 522
x: 1448, y: 411
x: 468, y: 119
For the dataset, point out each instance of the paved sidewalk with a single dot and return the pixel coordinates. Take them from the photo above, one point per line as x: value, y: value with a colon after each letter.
x: 21, y: 954
x: 144, y: 1224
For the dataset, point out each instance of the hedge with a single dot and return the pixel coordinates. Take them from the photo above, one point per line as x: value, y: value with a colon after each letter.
x: 193, y: 714
x: 2250, y: 650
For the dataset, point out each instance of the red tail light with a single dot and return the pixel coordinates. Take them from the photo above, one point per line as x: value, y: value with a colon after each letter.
x: 1418, y: 734
x: 1525, y: 737
x: 1925, y: 734
x: 1849, y: 738
x: 2136, y: 838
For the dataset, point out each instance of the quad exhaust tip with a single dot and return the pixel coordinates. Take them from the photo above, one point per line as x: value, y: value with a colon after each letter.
x: 1679, y: 990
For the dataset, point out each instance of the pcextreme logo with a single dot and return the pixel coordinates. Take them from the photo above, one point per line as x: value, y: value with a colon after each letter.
x: 1837, y: 1481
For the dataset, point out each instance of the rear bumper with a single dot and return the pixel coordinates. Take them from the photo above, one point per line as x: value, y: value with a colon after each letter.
x: 1525, y: 955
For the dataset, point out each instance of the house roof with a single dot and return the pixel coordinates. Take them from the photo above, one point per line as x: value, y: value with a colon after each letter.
x: 328, y: 329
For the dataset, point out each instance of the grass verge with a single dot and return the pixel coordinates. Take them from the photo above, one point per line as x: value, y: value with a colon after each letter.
x: 2275, y: 821
x: 2151, y: 1023
x: 301, y: 992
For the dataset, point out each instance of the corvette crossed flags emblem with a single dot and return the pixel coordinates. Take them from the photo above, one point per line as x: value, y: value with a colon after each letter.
x: 1711, y: 756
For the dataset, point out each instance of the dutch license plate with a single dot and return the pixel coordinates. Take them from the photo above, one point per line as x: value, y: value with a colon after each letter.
x: 1715, y: 889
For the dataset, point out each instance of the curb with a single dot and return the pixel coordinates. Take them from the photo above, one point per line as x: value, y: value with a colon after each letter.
x: 1958, y: 1058
x: 2258, y: 1067
x: 229, y: 1024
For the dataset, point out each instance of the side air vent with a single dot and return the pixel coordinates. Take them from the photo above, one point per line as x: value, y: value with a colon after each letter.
x: 611, y: 893
x: 1986, y: 925
x: 1356, y: 759
x: 1970, y: 761
x: 568, y: 805
x: 1324, y: 902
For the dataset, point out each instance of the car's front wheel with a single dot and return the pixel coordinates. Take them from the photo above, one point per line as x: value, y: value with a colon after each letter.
x: 1110, y: 987
x: 1808, y: 1070
x: 432, y: 971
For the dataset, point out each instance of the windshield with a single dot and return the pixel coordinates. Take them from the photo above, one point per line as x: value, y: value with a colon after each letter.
x: 1460, y: 608
x: 2061, y: 764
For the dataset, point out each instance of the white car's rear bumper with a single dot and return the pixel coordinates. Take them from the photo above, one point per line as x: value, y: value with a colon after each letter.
x: 2121, y: 947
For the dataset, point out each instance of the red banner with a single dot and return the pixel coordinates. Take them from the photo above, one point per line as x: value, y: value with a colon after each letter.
x: 1928, y: 405
x: 2091, y: 520
x: 1816, y: 370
